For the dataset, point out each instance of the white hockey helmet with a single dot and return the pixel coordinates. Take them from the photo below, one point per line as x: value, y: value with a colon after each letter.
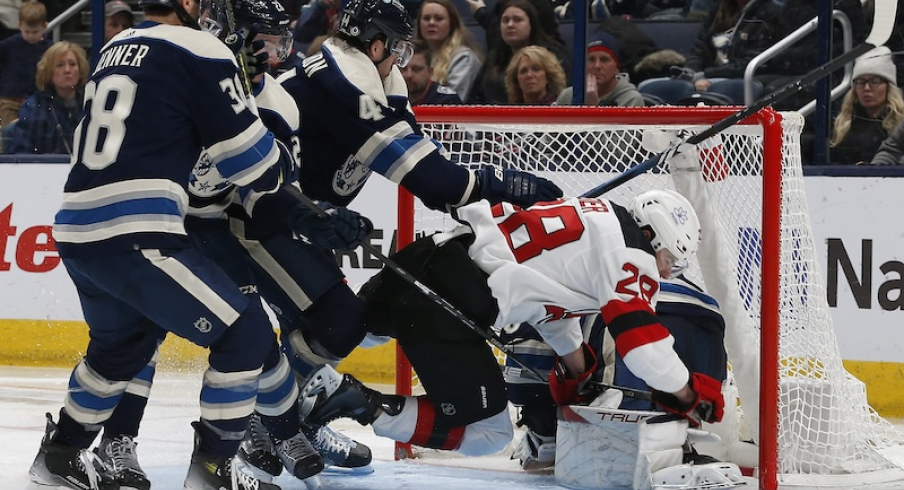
x: 671, y: 220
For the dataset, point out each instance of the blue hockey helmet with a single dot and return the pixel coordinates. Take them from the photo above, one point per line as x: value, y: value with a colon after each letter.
x: 269, y: 16
x: 365, y: 19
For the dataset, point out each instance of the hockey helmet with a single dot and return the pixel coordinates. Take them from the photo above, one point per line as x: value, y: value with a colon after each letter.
x: 365, y: 19
x: 269, y: 16
x: 156, y: 3
x: 671, y: 220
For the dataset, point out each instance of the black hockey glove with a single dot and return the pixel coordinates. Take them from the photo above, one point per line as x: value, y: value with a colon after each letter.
x: 708, y: 406
x: 519, y: 188
x: 341, y: 229
x: 243, y: 43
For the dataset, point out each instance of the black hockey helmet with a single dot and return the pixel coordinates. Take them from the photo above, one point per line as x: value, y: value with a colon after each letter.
x: 156, y: 3
x: 365, y: 19
x: 184, y: 16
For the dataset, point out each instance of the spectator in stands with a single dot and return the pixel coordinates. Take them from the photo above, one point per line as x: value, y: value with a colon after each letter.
x: 48, y: 118
x: 9, y: 17
x: 317, y: 19
x: 19, y: 55
x: 534, y: 77
x: 118, y: 17
x: 605, y: 84
x: 891, y: 151
x: 710, y: 55
x: 519, y: 27
x: 418, y: 75
x: 489, y: 21
x: 456, y: 55
x: 871, y: 110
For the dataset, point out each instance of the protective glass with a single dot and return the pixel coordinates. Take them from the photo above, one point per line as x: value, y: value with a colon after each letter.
x: 213, y: 17
x: 404, y: 50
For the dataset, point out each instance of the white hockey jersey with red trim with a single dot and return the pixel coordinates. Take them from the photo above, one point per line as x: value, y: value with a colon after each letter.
x: 556, y: 261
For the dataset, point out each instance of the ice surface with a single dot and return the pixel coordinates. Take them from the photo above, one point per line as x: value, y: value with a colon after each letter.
x: 164, y: 444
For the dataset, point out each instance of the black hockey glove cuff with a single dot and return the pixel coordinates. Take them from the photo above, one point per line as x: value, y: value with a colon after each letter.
x: 519, y: 188
x: 341, y: 229
x: 707, y: 406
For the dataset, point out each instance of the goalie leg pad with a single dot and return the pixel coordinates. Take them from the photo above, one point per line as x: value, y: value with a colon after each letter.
x: 699, y: 476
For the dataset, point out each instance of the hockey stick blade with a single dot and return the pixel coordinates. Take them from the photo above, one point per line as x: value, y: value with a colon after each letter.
x: 883, y: 24
x: 423, y: 288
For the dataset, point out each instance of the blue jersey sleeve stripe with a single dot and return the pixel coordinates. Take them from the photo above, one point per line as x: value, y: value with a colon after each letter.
x: 253, y: 163
x: 113, y: 211
x: 122, y: 226
x: 125, y: 190
x: 379, y: 140
x: 396, y: 166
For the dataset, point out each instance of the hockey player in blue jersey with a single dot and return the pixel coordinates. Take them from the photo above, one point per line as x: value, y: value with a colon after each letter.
x: 162, y: 92
x: 210, y: 194
x: 356, y: 120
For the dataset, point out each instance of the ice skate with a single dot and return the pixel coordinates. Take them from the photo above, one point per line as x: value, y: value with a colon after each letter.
x: 536, y: 452
x: 337, y: 449
x: 258, y: 451
x: 299, y: 456
x: 67, y: 466
x: 208, y: 472
x: 327, y: 395
x: 120, y: 457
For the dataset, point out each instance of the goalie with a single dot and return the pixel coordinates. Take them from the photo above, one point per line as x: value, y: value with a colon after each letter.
x: 547, y: 265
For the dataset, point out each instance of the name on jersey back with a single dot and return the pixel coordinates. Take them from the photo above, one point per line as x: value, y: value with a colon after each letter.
x: 123, y: 55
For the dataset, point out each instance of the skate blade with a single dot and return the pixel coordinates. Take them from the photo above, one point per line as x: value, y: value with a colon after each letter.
x: 342, y: 470
x: 313, y: 482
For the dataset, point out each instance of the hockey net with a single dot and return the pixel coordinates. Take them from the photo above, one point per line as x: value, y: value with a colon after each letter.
x: 809, y: 417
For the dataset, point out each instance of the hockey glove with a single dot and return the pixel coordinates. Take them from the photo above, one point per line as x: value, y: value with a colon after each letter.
x: 707, y: 406
x: 341, y: 229
x: 243, y: 44
x: 519, y: 188
x: 569, y: 391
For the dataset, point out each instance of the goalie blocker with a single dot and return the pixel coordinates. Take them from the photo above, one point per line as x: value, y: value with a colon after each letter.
x: 601, y: 447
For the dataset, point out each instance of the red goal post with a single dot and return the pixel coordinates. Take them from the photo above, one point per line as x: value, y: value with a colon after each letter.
x: 808, y: 416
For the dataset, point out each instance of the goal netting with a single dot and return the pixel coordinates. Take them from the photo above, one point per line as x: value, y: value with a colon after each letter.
x: 807, y: 414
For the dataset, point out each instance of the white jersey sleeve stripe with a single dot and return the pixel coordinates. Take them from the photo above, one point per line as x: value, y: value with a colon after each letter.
x: 194, y: 285
x: 374, y: 145
x: 407, y: 161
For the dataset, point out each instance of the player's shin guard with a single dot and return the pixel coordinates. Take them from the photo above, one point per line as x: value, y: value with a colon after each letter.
x: 305, y: 355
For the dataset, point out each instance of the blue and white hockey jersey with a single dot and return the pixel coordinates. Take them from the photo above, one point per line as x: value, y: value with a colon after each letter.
x: 364, y: 124
x: 159, y: 94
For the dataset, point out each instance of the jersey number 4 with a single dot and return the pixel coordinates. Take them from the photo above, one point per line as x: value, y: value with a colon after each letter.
x: 531, y: 231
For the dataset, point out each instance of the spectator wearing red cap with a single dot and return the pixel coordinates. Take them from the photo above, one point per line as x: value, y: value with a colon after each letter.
x: 606, y: 85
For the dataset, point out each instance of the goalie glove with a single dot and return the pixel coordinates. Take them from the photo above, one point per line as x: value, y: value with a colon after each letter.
x: 570, y: 391
x: 341, y: 229
x: 522, y: 189
x: 707, y: 406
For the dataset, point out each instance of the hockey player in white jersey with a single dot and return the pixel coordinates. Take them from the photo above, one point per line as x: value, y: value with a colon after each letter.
x: 547, y: 265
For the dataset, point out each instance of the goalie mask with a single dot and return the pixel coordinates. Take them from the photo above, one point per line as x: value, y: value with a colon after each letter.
x: 672, y: 223
x: 365, y: 19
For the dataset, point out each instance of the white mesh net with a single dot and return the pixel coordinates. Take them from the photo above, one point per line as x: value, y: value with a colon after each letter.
x: 827, y: 434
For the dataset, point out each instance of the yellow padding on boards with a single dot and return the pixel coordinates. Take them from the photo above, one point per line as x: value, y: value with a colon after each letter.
x: 63, y: 343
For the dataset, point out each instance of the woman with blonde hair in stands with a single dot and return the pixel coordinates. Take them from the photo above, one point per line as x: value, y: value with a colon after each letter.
x: 534, y: 77
x: 48, y: 118
x: 456, y: 55
x: 871, y: 110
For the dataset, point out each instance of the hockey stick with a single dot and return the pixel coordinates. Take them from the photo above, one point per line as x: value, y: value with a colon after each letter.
x: 240, y: 56
x: 629, y: 392
x: 423, y: 288
x: 449, y: 307
x: 883, y: 23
